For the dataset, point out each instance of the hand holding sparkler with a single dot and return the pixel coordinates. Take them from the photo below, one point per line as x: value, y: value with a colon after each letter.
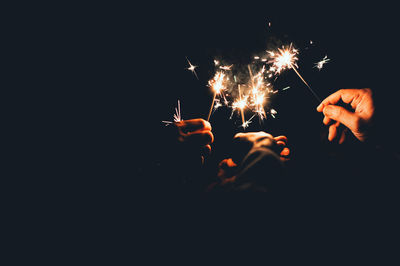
x: 358, y: 120
x: 194, y: 136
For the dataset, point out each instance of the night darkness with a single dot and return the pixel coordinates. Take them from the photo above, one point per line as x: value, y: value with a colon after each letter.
x: 123, y: 68
x: 355, y: 38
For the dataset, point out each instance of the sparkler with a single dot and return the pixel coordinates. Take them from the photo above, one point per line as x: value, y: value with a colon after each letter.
x: 217, y: 85
x: 283, y: 59
x: 177, y: 116
x: 258, y: 97
x: 321, y: 63
x: 192, y: 68
x: 286, y: 58
x: 240, y: 104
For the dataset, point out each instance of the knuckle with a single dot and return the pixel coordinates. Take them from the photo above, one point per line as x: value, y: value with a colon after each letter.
x: 367, y: 90
x: 203, y: 123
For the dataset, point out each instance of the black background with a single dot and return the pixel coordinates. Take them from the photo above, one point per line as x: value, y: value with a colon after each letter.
x: 99, y: 79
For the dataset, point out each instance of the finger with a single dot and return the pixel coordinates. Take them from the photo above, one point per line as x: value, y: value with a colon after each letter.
x: 281, y: 138
x: 346, y: 95
x: 342, y: 115
x: 227, y: 163
x: 206, y: 150
x: 200, y: 138
x: 332, y: 132
x: 285, y: 152
x: 343, y: 136
x: 193, y: 125
x: 252, y: 136
x: 281, y: 143
x: 326, y: 120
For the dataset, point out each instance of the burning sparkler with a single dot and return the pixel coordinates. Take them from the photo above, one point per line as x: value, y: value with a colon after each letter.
x: 321, y: 63
x: 192, y: 68
x: 218, y: 85
x: 177, y: 116
x: 240, y: 104
x: 257, y: 94
x: 286, y: 58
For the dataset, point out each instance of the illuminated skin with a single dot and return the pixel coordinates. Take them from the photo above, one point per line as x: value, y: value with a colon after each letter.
x: 195, y: 134
x: 358, y: 120
x: 245, y: 142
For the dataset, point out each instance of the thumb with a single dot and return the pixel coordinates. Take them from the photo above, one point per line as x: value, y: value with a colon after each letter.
x: 342, y: 115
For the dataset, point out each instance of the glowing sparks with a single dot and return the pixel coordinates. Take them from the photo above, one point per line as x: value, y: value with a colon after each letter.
x: 177, y: 116
x: 273, y: 112
x: 226, y: 67
x: 258, y: 91
x: 240, y: 104
x: 284, y: 58
x: 246, y: 124
x: 192, y: 68
x: 217, y: 104
x: 217, y: 83
x: 321, y: 63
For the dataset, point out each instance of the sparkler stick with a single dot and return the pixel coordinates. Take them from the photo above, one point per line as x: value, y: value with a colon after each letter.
x: 284, y: 59
x: 212, y: 105
x: 251, y: 76
x: 308, y: 86
x: 217, y: 85
x: 241, y: 107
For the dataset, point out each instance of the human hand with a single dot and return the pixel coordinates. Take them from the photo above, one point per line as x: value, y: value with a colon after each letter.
x: 358, y: 120
x: 194, y: 135
x: 244, y: 142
